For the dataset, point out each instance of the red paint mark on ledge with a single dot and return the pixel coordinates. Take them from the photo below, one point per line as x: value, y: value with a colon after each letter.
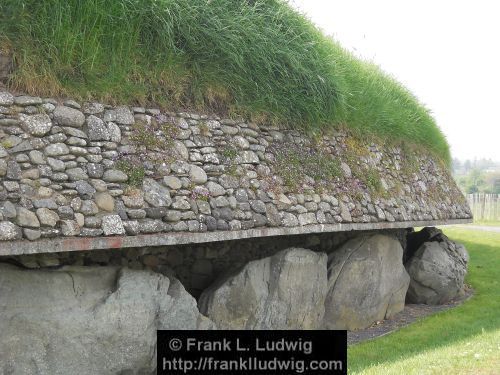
x: 89, y: 243
x: 84, y: 243
x: 115, y: 242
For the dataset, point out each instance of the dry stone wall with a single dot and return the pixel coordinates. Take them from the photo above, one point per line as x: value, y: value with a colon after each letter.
x: 89, y: 169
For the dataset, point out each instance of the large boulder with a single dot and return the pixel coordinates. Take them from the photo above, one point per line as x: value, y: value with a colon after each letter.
x: 285, y: 291
x: 437, y: 269
x: 367, y: 282
x: 416, y: 239
x: 88, y: 320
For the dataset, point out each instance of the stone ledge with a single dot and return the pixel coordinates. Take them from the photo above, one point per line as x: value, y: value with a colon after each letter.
x: 58, y: 245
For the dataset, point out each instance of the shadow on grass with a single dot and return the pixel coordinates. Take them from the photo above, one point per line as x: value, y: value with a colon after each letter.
x: 480, y: 313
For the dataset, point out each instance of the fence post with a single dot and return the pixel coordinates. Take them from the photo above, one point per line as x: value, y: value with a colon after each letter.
x: 484, y: 206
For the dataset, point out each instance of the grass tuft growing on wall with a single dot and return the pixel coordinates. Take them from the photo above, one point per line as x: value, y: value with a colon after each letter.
x: 256, y: 58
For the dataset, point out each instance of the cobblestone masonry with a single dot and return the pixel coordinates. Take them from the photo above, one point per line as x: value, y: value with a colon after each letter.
x: 88, y: 169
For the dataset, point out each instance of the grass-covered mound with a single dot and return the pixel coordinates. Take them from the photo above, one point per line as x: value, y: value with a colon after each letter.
x: 257, y: 58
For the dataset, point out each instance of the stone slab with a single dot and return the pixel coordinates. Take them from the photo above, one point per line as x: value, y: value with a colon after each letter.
x: 57, y: 245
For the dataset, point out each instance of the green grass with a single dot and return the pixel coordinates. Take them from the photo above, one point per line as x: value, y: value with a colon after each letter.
x: 487, y: 223
x: 255, y: 58
x: 463, y: 340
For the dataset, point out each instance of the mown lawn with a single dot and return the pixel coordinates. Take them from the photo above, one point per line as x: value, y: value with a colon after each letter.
x: 487, y: 223
x: 464, y: 340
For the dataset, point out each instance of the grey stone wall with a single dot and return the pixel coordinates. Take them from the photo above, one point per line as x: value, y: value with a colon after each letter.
x: 88, y: 169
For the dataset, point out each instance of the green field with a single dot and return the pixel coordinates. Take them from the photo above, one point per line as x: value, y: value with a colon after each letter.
x: 486, y: 223
x: 463, y: 340
x: 254, y: 58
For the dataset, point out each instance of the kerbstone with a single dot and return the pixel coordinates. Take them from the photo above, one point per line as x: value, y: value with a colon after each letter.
x: 123, y: 307
x: 285, y: 291
x: 437, y: 270
x: 367, y: 282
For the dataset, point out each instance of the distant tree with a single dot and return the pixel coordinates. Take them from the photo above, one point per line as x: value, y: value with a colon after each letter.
x: 492, y: 182
x: 496, y: 186
x: 477, y: 176
x: 456, y: 165
x: 472, y: 189
x: 467, y: 166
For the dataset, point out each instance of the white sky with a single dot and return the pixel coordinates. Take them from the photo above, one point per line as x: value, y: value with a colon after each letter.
x: 446, y: 52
